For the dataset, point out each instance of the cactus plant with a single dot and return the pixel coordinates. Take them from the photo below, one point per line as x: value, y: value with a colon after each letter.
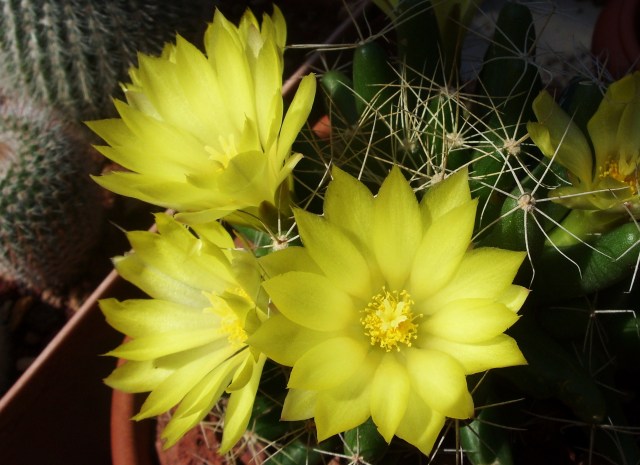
x: 72, y: 54
x: 52, y: 212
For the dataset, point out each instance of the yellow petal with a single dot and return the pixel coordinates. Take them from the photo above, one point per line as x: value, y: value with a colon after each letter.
x: 311, y: 300
x: 560, y: 138
x: 292, y: 258
x: 349, y: 404
x: 445, y: 196
x: 421, y: 425
x: 176, y: 386
x: 468, y: 321
x: 389, y: 395
x: 440, y: 381
x: 328, y: 364
x: 513, y: 297
x: 502, y: 351
x: 158, y: 345
x: 137, y: 376
x: 297, y: 114
x: 141, y: 317
x: 284, y: 341
x: 299, y: 405
x: 483, y: 273
x: 442, y: 248
x: 339, y: 259
x: 239, y: 408
x: 397, y: 228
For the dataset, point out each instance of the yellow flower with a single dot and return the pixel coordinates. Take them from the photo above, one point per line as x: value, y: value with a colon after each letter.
x: 204, y: 133
x: 385, y: 309
x: 188, y: 343
x: 608, y: 178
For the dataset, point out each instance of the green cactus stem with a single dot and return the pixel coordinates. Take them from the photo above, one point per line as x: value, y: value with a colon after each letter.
x: 51, y: 212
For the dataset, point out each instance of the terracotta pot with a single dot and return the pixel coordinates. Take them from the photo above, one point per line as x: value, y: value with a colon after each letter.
x: 58, y: 410
x: 616, y: 36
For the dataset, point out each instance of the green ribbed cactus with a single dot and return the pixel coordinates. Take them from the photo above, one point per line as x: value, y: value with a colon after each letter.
x: 51, y: 210
x: 71, y: 54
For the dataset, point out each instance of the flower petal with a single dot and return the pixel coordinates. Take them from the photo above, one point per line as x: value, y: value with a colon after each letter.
x: 297, y: 114
x: 484, y: 273
x: 284, y: 341
x: 349, y: 203
x: 468, y: 321
x: 389, y: 395
x: 558, y: 137
x: 292, y: 258
x: 440, y: 381
x: 311, y: 300
x: 444, y: 196
x: 299, y: 405
x: 137, y: 376
x: 335, y: 254
x: 442, y: 248
x: 501, y: 351
x: 397, y: 228
x: 348, y: 405
x: 328, y: 364
x: 239, y: 408
x: 420, y: 425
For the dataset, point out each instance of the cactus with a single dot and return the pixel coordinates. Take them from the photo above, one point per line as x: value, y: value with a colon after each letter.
x: 72, y: 54
x: 51, y: 209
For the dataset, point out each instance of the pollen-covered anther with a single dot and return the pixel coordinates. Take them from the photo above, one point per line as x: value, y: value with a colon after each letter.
x: 389, y: 321
x: 611, y: 169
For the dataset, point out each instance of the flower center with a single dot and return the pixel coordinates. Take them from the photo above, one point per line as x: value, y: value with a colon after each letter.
x: 612, y: 169
x: 229, y: 323
x: 389, y: 321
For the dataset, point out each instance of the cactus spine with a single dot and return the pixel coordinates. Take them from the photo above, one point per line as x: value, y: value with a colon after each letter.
x: 71, y: 54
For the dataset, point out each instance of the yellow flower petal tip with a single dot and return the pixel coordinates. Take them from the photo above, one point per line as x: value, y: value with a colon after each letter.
x: 387, y: 308
x: 205, y: 133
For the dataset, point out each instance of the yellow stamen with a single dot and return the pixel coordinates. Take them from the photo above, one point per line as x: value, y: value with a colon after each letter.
x: 229, y: 325
x: 389, y: 321
x: 612, y: 169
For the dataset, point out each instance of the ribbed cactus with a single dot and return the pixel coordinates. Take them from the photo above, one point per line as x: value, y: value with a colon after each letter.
x: 71, y: 54
x: 51, y: 213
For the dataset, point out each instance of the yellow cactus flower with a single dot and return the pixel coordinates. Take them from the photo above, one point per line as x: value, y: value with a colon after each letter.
x: 385, y: 309
x: 204, y: 134
x: 188, y: 342
x: 607, y: 178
